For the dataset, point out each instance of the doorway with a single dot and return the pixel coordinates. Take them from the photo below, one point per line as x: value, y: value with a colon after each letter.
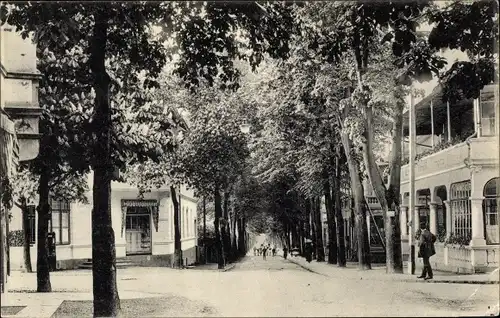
x: 138, y: 230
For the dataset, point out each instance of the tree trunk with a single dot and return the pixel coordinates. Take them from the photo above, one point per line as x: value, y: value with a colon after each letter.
x: 234, y: 245
x: 363, y: 244
x: 241, y: 238
x: 105, y: 291
x: 307, y: 223
x: 26, y: 236
x: 330, y: 218
x: 302, y: 237
x: 312, y: 226
x: 244, y: 235
x: 218, y: 240
x: 204, y: 230
x: 177, y: 228
x: 42, y: 263
x: 338, y: 213
x: 378, y: 187
x: 225, y: 230
x: 320, y: 249
x: 204, y: 219
x: 393, y: 193
x: 288, y: 238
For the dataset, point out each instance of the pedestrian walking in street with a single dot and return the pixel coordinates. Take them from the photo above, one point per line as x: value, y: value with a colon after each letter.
x: 285, y: 252
x: 308, y: 250
x: 254, y: 251
x: 264, y: 252
x: 425, y: 251
x: 274, y: 251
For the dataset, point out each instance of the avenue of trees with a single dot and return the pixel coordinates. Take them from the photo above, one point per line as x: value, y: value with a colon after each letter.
x: 160, y: 92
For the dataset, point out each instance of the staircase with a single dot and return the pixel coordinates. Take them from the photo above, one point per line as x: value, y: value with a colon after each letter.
x: 377, y: 241
x: 120, y: 263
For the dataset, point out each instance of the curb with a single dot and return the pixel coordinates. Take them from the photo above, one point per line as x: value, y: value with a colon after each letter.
x: 307, y: 268
x: 228, y: 268
x: 431, y: 281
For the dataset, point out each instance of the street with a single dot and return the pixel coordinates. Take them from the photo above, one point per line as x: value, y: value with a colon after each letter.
x: 272, y: 287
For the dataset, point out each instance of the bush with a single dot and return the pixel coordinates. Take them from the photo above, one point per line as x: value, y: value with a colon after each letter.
x: 460, y: 240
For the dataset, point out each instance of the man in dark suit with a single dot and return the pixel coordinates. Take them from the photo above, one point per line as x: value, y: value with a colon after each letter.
x: 426, y: 250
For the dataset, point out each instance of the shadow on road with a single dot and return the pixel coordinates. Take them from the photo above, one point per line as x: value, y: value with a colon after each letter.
x: 271, y: 263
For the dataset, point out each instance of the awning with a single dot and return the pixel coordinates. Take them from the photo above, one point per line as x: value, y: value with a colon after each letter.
x: 153, y: 206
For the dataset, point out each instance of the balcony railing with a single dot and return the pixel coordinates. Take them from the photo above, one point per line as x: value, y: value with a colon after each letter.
x: 476, y: 150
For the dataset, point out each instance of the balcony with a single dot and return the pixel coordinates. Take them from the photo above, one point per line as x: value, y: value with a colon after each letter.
x: 475, y: 152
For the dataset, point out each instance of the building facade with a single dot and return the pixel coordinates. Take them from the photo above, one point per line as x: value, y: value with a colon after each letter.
x: 19, y: 116
x: 144, y: 228
x: 457, y: 180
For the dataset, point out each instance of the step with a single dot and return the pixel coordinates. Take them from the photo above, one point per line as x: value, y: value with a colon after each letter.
x: 120, y: 263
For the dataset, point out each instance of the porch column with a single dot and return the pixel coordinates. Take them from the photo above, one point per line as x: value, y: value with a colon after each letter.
x: 448, y: 218
x: 477, y: 222
x: 404, y: 221
x: 433, y: 217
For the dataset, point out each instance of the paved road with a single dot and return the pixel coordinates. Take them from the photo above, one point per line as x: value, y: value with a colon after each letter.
x: 276, y: 287
x: 276, y: 263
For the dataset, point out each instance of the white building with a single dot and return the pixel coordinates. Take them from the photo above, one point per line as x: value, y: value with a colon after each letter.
x: 144, y: 228
x: 457, y: 180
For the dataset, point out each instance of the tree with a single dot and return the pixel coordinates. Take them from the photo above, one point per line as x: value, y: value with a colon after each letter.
x: 355, y: 28
x: 349, y: 31
x: 171, y: 98
x: 25, y: 186
x: 120, y: 35
x: 473, y: 28
x: 300, y: 134
x: 70, y: 187
x: 67, y: 32
x: 214, y: 153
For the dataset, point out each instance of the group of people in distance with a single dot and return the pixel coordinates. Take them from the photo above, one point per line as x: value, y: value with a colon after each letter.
x: 425, y: 251
x: 263, y: 250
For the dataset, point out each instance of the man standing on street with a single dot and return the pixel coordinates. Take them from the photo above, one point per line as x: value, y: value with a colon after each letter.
x: 426, y: 250
x: 308, y: 250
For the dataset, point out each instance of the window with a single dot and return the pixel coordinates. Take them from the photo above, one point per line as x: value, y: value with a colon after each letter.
x: 441, y: 221
x: 188, y: 222
x: 59, y: 223
x: 487, y: 104
x: 424, y: 197
x: 195, y: 226
x: 31, y: 224
x: 490, y: 210
x: 183, y: 222
x: 461, y: 209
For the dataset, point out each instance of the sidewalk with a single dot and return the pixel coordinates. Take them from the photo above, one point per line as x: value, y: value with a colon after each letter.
x: 378, y: 273
x: 211, y: 267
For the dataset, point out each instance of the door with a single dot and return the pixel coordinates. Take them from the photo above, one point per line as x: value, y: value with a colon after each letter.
x: 138, y: 231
